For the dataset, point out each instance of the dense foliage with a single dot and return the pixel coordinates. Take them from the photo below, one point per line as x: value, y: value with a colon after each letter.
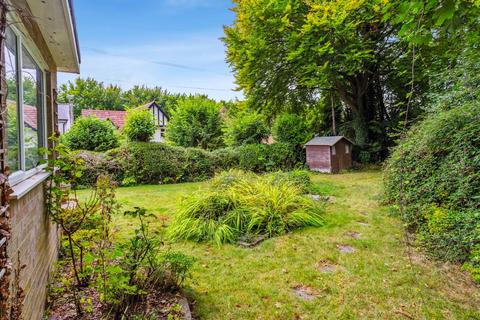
x: 363, y: 59
x: 140, y: 125
x: 196, y: 123
x: 246, y: 128
x: 291, y: 129
x: 153, y: 163
x: 91, y: 133
x: 434, y: 174
x: 242, y: 206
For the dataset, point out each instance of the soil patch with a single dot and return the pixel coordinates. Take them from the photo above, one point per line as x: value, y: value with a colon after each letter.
x: 345, y: 248
x: 326, y: 266
x: 305, y: 292
x: 353, y: 234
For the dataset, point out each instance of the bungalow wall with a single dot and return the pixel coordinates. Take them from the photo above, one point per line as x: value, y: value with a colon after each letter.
x: 33, y: 242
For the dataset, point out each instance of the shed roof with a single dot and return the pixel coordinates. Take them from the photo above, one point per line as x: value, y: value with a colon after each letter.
x: 326, y: 141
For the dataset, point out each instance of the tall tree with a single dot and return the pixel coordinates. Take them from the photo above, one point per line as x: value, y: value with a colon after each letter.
x: 140, y: 95
x: 288, y: 54
x: 90, y: 94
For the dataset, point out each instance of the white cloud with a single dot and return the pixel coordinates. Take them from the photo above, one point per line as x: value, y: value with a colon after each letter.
x: 190, y: 64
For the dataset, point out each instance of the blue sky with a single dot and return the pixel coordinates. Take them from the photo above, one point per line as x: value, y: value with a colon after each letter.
x: 169, y: 43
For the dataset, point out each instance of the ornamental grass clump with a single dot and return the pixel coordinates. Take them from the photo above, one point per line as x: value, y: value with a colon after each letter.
x: 240, y: 205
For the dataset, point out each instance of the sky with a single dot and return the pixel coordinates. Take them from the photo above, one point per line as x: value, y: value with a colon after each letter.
x: 174, y: 44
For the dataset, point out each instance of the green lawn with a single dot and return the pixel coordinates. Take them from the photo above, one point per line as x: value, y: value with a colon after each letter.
x: 380, y: 280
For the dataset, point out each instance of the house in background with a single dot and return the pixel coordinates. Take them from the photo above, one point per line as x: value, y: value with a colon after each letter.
x: 40, y: 40
x: 161, y: 120
x: 118, y: 118
x: 64, y: 117
x: 329, y: 154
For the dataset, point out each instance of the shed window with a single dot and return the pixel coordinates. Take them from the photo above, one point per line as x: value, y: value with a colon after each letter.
x: 334, y: 151
x: 26, y: 117
x: 347, y: 149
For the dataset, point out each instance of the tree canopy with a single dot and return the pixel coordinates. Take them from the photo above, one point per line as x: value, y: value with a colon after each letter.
x: 374, y: 57
x: 92, y: 94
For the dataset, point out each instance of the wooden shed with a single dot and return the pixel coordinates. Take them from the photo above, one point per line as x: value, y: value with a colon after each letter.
x: 329, y: 154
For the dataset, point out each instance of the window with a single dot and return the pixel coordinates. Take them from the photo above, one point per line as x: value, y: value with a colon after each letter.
x: 25, y: 109
x: 334, y: 151
x: 347, y: 149
x: 13, y: 131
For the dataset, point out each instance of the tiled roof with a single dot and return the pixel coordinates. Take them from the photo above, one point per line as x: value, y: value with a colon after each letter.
x: 117, y: 117
x: 30, y: 116
x: 325, y: 141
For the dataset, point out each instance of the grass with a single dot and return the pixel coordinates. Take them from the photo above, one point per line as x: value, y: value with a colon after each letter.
x: 382, y: 279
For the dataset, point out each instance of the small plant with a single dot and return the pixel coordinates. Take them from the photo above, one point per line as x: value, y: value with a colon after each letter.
x: 176, y: 266
x: 140, y: 125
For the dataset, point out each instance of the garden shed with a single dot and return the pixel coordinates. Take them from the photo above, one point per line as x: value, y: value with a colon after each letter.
x: 329, y: 154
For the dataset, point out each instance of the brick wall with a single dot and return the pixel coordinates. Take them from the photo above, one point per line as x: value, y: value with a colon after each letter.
x: 35, y: 241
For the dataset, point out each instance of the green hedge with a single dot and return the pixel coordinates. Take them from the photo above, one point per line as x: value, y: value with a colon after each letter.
x: 158, y: 163
x: 435, y: 172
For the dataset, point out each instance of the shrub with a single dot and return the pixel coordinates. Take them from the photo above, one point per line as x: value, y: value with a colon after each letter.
x: 291, y: 129
x: 91, y: 133
x: 159, y: 163
x: 153, y: 163
x: 196, y: 123
x: 238, y: 205
x: 450, y: 235
x: 140, y: 125
x: 437, y: 163
x: 435, y: 173
x: 264, y: 157
x: 97, y: 164
x: 246, y: 128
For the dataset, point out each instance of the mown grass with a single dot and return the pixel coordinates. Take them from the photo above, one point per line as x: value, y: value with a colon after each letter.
x: 382, y: 279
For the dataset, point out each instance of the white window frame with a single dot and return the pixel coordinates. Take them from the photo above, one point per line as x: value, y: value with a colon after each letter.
x: 347, y: 148
x: 334, y: 151
x: 22, y: 42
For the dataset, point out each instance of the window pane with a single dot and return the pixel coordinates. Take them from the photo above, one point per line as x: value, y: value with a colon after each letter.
x: 13, y: 158
x: 32, y: 109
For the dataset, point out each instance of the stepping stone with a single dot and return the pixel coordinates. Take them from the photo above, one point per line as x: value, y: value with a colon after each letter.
x: 363, y: 223
x: 345, y: 249
x: 315, y: 197
x: 330, y: 199
x: 305, y: 293
x: 326, y: 266
x: 353, y: 234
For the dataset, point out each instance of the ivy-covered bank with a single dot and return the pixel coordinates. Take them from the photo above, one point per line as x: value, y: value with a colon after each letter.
x: 434, y: 173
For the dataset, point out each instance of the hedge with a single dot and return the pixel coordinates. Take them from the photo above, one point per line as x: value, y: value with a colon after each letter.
x: 159, y: 163
x: 435, y: 173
